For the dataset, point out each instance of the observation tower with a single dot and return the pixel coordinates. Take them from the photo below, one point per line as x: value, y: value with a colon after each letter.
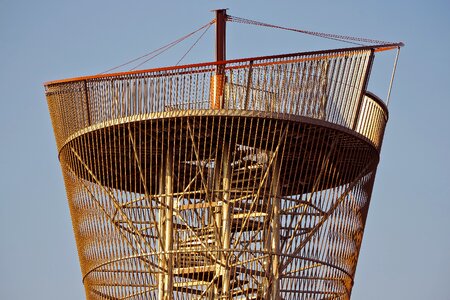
x: 235, y: 179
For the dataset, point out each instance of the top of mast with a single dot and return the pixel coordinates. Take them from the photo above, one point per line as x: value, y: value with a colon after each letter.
x: 221, y: 21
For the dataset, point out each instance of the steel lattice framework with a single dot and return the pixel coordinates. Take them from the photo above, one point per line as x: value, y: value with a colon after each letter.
x: 244, y: 179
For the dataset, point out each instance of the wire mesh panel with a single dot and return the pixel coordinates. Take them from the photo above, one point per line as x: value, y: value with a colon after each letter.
x: 250, y: 184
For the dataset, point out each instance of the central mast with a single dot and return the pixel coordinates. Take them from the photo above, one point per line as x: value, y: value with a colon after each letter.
x: 222, y: 177
x: 217, y: 80
x: 221, y: 21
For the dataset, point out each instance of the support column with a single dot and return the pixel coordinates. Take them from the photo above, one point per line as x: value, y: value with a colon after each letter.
x: 168, y: 280
x: 226, y: 219
x: 217, y: 199
x: 267, y: 244
x: 161, y: 228
x: 275, y: 226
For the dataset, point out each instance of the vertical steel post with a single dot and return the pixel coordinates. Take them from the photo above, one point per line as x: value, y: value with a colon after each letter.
x: 217, y: 218
x: 275, y: 226
x: 217, y: 102
x: 226, y: 218
x: 221, y: 21
x: 168, y: 280
x: 161, y: 229
x: 267, y: 244
x: 218, y: 79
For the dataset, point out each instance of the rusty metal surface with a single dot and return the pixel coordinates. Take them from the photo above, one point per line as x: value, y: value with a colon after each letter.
x: 264, y: 198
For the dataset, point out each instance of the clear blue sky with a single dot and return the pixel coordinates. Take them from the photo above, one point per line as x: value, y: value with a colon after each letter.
x: 406, y: 246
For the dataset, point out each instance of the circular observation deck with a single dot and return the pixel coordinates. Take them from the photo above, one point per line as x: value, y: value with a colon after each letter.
x: 244, y: 179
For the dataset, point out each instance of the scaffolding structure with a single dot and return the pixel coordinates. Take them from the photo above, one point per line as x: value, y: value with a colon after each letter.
x: 238, y: 179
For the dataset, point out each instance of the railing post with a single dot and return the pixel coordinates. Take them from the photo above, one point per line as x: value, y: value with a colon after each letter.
x: 249, y: 84
x: 87, y: 103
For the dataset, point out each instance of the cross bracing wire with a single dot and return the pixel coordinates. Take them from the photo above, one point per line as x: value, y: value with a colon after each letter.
x: 148, y: 56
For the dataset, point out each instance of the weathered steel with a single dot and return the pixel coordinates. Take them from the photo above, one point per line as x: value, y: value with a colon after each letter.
x: 261, y: 194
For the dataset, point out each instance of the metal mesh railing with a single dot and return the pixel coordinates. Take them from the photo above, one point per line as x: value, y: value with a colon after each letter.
x: 327, y: 86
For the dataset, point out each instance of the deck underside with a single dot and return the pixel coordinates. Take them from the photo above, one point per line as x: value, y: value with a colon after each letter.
x: 218, y: 207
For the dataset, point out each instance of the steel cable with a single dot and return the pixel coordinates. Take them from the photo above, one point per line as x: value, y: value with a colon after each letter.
x: 159, y: 50
x: 342, y: 38
x: 195, y: 43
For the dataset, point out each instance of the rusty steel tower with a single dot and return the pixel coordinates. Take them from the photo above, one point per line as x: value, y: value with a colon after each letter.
x: 237, y: 179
